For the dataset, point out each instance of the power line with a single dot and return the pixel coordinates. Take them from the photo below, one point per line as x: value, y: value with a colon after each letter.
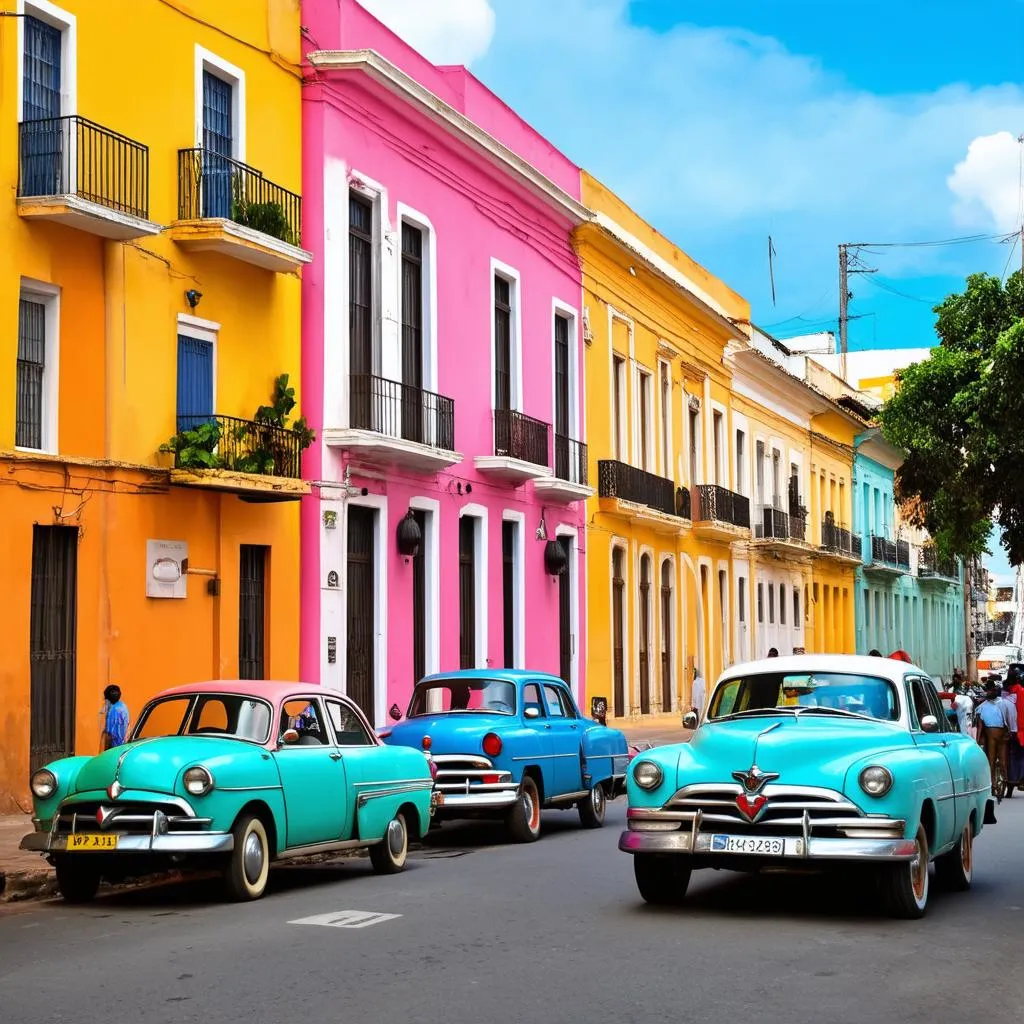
x: 963, y: 240
x: 886, y: 287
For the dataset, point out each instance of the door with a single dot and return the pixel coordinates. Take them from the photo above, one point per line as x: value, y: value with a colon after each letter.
x: 618, y: 630
x: 566, y: 737
x: 360, y: 601
x: 508, y: 591
x: 563, y: 468
x: 218, y: 146
x: 666, y: 636
x: 645, y: 635
x: 360, y: 312
x: 252, y: 611
x: 467, y: 592
x: 565, y: 637
x: 52, y: 643
x: 195, y: 382
x: 313, y: 765
x: 938, y: 776
x: 412, y: 333
x: 43, y: 141
x: 419, y: 601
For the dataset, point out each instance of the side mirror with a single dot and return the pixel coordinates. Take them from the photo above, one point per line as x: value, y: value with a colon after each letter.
x: 395, y: 712
x: 290, y: 736
x: 929, y: 724
x: 531, y: 713
x: 690, y: 720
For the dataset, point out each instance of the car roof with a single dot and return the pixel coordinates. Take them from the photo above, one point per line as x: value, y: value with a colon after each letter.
x: 274, y: 691
x: 509, y: 675
x: 858, y: 664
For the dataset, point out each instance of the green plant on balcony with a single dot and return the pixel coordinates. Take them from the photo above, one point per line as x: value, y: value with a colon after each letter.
x: 272, y: 447
x: 268, y: 217
x: 196, y: 448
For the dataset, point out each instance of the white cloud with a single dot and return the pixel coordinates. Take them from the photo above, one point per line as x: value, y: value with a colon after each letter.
x: 444, y: 31
x: 987, y: 182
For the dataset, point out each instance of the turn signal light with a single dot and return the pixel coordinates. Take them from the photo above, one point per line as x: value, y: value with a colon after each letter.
x: 492, y: 744
x: 490, y: 780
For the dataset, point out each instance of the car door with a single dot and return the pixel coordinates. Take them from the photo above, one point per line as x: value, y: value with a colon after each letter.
x: 361, y: 759
x: 539, y: 746
x: 923, y: 702
x: 565, y: 733
x: 959, y: 750
x: 312, y: 775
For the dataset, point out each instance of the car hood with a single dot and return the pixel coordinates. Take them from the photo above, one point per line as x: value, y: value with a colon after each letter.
x: 154, y: 764
x: 805, y: 750
x: 459, y: 733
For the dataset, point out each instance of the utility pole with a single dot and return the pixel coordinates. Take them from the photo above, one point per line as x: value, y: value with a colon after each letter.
x: 844, y: 300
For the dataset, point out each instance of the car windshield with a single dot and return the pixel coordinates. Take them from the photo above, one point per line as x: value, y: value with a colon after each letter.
x: 807, y: 693
x: 442, y: 696
x: 205, y: 714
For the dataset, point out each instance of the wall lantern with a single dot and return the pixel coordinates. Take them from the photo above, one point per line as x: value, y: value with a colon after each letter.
x: 408, y: 535
x: 555, y: 560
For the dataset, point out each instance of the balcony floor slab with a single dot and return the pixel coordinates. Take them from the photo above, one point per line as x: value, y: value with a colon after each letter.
x: 385, y: 451
x: 74, y: 211
x: 510, y: 470
x: 634, y: 512
x: 553, y: 488
x: 241, y: 243
x: 249, y: 486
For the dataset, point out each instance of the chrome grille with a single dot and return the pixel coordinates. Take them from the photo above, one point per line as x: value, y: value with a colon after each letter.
x: 466, y: 773
x: 124, y: 818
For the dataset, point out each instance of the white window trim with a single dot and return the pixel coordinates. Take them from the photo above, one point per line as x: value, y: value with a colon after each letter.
x: 573, y: 569
x: 563, y: 309
x: 432, y: 560
x: 519, y: 585
x: 665, y: 422
x: 205, y: 60
x: 689, y: 436
x: 721, y: 459
x: 407, y: 215
x: 49, y: 296
x: 479, y: 514
x: 202, y: 330
x: 625, y: 432
x: 510, y: 274
x: 640, y: 374
x: 671, y: 627
x: 622, y: 545
x: 68, y: 25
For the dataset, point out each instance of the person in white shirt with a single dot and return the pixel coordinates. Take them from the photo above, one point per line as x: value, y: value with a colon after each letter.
x: 963, y: 706
x: 699, y: 693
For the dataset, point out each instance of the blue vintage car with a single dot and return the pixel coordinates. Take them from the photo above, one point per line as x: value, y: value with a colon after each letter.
x: 231, y: 776
x: 507, y: 743
x: 813, y: 761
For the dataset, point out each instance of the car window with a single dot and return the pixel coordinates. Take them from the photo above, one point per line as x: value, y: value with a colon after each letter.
x: 936, y: 705
x: 163, y: 718
x: 348, y: 729
x: 568, y: 708
x: 919, y: 703
x: 210, y: 715
x: 532, y: 698
x: 461, y: 694
x: 552, y: 703
x: 226, y: 714
x: 303, y: 714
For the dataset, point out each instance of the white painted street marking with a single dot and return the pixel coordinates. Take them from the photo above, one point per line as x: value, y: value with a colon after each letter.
x: 347, y: 919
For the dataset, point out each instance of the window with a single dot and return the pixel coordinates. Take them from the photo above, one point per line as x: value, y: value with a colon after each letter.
x: 741, y: 455
x: 759, y: 457
x: 218, y: 145
x: 467, y: 592
x: 782, y: 604
x: 511, y: 576
x: 32, y: 398
x: 252, y: 604
x: 796, y: 607
x: 644, y: 401
x: 771, y: 604
x: 412, y: 306
x: 553, y: 703
x: 717, y: 425
x: 618, y: 399
x: 760, y: 602
x: 794, y: 489
x: 303, y: 714
x: 360, y: 310
x: 776, y: 481
x: 532, y: 699
x: 42, y: 70
x: 741, y: 598
x: 694, y: 428
x: 562, y: 378
x: 666, y: 422
x: 348, y: 729
x: 568, y: 708
x: 195, y: 378
x: 502, y: 343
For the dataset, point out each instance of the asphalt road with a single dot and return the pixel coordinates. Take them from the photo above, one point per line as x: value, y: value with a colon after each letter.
x: 552, y: 932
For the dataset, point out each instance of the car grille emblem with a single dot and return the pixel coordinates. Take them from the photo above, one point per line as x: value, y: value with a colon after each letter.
x: 103, y: 816
x: 752, y: 801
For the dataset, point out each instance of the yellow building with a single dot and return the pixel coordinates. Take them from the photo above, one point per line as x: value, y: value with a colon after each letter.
x: 148, y: 284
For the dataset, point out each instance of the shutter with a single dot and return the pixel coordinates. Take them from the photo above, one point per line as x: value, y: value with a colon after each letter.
x: 218, y: 143
x: 195, y: 382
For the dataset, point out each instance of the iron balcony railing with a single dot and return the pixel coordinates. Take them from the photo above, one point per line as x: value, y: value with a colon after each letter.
x: 618, y: 480
x: 774, y: 524
x: 839, y: 540
x: 720, y: 505
x: 211, y: 186
x: 246, y: 446
x: 930, y: 565
x: 892, y: 554
x: 61, y: 156
x: 518, y: 436
x: 401, y: 410
x: 570, y: 460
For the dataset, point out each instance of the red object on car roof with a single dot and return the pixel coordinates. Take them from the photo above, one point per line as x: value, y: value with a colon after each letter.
x: 902, y: 656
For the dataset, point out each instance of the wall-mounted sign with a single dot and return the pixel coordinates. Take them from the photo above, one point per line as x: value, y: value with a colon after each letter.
x: 332, y: 650
x: 332, y: 578
x: 330, y: 519
x: 166, y: 562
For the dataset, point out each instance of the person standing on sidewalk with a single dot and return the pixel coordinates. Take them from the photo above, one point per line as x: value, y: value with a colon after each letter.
x: 115, y: 718
x: 699, y: 693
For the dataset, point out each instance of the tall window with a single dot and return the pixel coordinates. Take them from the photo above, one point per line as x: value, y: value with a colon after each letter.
x: 562, y: 432
x: 467, y: 592
x: 412, y: 333
x: 645, y: 634
x: 776, y: 481
x: 195, y: 381
x: 360, y: 310
x: 252, y: 611
x: 41, y: 146
x: 760, y: 603
x: 667, y: 606
x: 760, y: 472
x: 28, y: 417
x: 509, y: 554
x: 666, y: 422
x: 717, y: 425
x: 618, y: 401
x: 218, y: 143
x: 741, y: 456
x: 644, y: 382
x: 771, y: 604
x: 782, y: 604
x: 694, y: 431
x: 502, y: 343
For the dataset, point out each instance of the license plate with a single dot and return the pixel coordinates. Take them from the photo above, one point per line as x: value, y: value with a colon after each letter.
x: 91, y: 842
x: 765, y: 846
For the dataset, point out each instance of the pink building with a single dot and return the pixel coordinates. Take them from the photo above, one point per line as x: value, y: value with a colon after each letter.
x: 441, y: 371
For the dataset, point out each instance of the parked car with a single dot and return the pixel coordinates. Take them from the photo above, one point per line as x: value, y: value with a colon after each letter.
x: 230, y: 775
x: 994, y: 660
x: 824, y: 761
x: 507, y: 743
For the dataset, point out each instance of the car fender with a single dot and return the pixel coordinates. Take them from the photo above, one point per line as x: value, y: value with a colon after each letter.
x: 388, y: 778
x: 605, y: 750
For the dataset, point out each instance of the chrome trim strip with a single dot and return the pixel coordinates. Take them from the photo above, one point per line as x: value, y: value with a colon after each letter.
x: 311, y: 848
x: 393, y: 782
x: 363, y: 798
x: 504, y: 798
x: 244, y: 789
x: 815, y: 848
x: 541, y: 757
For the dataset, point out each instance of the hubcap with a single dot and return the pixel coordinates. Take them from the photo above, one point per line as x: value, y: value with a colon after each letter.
x: 396, y: 837
x: 967, y: 852
x: 252, y: 857
x: 919, y: 871
x: 597, y: 798
x: 532, y: 814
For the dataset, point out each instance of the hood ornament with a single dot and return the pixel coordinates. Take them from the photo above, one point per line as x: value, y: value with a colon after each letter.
x: 114, y: 790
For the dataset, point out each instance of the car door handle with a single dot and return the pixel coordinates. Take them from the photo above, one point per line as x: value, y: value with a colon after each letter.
x: 573, y: 726
x: 335, y: 756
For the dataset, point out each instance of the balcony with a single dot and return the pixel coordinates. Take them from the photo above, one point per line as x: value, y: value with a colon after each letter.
x: 74, y: 172
x: 839, y: 544
x: 933, y: 569
x: 396, y: 424
x: 890, y: 558
x: 228, y: 207
x: 636, y: 495
x: 781, y: 532
x: 721, y: 514
x: 570, y: 480
x: 260, y: 462
x: 520, y: 449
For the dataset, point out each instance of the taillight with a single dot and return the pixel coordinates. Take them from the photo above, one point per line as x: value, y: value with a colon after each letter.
x: 490, y: 780
x: 384, y: 733
x: 492, y: 744
x: 426, y: 742
x: 433, y: 768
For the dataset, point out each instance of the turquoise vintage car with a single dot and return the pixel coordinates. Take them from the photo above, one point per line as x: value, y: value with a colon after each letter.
x: 821, y: 761
x: 231, y: 775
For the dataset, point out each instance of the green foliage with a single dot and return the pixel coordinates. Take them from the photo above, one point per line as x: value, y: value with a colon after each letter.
x: 195, y: 449
x: 958, y: 415
x: 266, y: 217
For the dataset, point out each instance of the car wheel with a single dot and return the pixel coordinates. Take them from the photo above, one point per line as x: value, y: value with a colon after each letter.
x: 389, y: 855
x: 246, y: 875
x: 955, y: 870
x: 523, y: 821
x: 78, y: 881
x: 662, y: 880
x: 905, y: 886
x: 593, y: 807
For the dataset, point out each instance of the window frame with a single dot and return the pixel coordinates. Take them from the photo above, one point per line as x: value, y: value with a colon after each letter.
x: 67, y: 24
x: 512, y: 276
x: 48, y: 296
x: 208, y: 61
x: 371, y: 739
x: 428, y: 287
x: 563, y: 310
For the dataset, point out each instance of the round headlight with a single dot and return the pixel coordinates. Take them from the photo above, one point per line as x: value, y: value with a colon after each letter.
x: 43, y: 784
x: 198, y: 781
x: 647, y: 775
x: 876, y: 780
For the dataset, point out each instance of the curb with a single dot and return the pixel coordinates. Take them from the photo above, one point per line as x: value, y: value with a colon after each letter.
x: 16, y: 886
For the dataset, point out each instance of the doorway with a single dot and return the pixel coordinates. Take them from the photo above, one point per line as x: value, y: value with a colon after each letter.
x: 360, y: 593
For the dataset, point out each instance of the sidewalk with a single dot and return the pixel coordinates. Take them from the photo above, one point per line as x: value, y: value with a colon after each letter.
x: 654, y: 729
x: 23, y: 876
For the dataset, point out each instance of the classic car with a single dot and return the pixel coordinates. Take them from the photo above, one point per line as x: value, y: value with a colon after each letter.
x: 813, y: 762
x: 507, y: 743
x: 230, y: 775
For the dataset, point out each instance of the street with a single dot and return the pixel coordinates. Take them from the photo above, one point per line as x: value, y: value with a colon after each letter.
x: 553, y: 931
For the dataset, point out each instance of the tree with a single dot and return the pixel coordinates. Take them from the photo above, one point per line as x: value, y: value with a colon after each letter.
x: 959, y: 416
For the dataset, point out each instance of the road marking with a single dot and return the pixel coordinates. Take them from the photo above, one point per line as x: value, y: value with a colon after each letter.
x: 347, y: 919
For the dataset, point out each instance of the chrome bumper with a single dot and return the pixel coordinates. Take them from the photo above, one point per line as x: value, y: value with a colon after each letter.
x: 177, y: 843
x: 795, y: 848
x: 488, y: 799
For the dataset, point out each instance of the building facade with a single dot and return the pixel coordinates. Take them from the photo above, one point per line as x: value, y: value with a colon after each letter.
x: 149, y: 296
x: 442, y: 372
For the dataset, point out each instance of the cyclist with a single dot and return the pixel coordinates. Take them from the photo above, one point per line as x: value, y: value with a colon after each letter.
x: 994, y: 728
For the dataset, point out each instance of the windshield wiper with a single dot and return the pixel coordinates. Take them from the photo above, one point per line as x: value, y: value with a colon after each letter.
x: 751, y: 712
x: 833, y: 711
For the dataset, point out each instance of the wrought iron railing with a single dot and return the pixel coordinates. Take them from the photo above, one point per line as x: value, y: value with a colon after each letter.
x: 720, y: 505
x: 889, y: 553
x: 214, y: 186
x: 59, y: 156
x: 570, y: 460
x: 518, y: 436
x: 401, y: 410
x: 930, y: 565
x: 839, y: 540
x: 245, y: 446
x: 774, y: 524
x: 618, y: 480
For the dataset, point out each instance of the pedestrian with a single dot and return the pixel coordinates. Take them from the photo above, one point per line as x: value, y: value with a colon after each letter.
x: 994, y: 727
x: 773, y: 652
x: 698, y: 693
x: 115, y: 718
x: 874, y: 653
x: 1012, y: 690
x: 963, y: 706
